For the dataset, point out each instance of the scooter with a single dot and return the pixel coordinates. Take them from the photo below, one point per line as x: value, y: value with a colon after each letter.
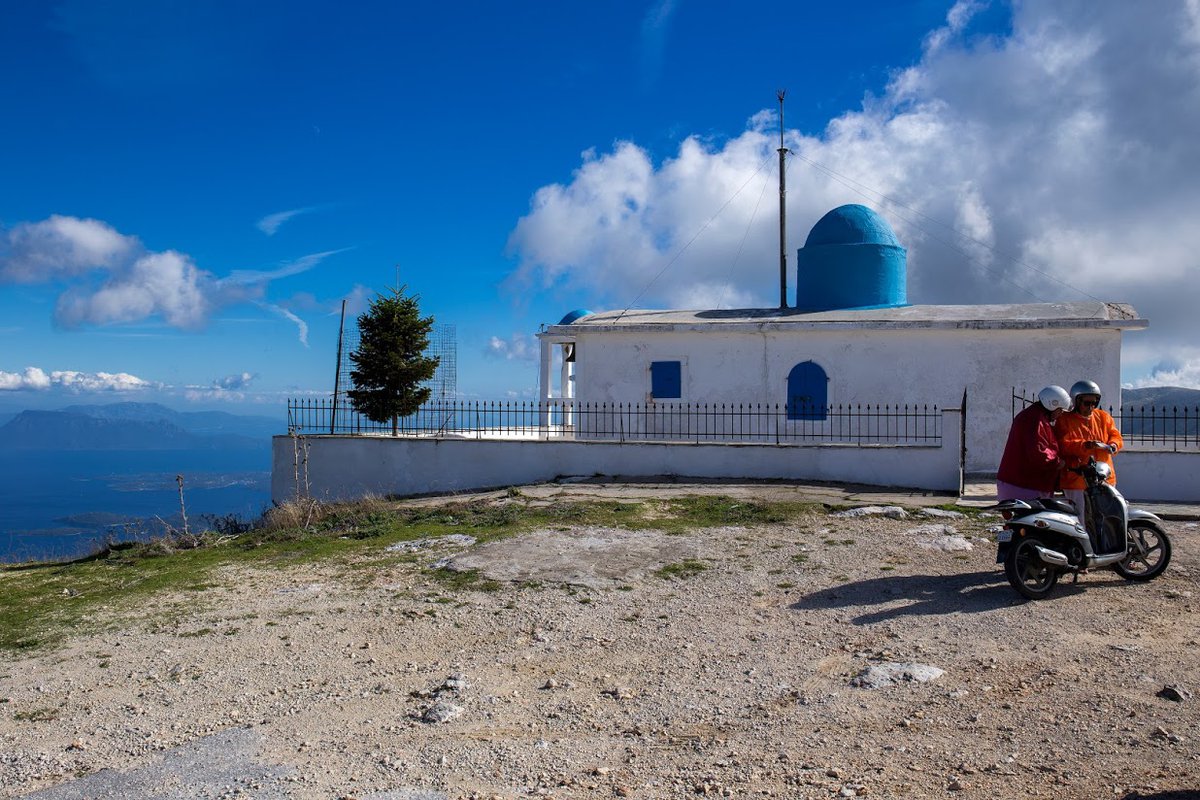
x: 1042, y: 539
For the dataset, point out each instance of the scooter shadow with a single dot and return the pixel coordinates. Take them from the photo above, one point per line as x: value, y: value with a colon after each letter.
x: 927, y: 595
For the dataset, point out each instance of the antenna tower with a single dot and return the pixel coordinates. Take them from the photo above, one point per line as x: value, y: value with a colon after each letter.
x: 783, y: 151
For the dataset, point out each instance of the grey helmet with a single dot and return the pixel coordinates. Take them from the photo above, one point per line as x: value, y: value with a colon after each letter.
x: 1084, y: 387
x: 1053, y: 397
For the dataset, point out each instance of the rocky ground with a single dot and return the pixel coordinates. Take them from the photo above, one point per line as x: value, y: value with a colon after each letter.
x: 831, y: 656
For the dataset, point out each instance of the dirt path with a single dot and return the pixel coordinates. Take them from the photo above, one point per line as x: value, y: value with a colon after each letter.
x: 728, y: 674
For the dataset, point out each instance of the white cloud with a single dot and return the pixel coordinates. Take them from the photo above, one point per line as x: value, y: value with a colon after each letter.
x: 165, y: 284
x: 34, y: 378
x: 60, y: 247
x: 518, y: 347
x: 31, y: 378
x: 111, y: 278
x: 272, y: 222
x: 302, y: 264
x: 234, y: 382
x: 301, y: 325
x: 1172, y: 372
x: 1055, y: 163
x: 655, y: 25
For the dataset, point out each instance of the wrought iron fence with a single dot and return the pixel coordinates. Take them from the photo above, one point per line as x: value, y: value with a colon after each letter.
x: 647, y: 422
x: 1168, y: 428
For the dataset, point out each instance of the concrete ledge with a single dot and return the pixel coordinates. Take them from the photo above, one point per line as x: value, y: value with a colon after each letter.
x: 348, y: 467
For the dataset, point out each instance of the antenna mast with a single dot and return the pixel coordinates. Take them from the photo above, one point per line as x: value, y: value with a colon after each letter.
x: 782, y: 209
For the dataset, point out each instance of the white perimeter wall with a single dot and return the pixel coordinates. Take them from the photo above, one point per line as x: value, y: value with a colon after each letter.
x: 348, y: 467
x: 864, y: 366
x: 1159, y: 475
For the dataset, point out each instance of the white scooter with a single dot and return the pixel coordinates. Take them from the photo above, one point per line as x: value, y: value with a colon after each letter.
x: 1042, y: 539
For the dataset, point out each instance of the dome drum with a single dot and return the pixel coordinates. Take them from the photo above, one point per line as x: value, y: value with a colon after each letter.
x: 851, y: 259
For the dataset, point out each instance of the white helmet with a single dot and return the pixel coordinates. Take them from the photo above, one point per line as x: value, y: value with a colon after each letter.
x: 1084, y: 387
x: 1053, y: 397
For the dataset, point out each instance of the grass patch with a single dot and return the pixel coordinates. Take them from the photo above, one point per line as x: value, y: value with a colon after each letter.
x: 682, y: 569
x: 36, y: 715
x: 41, y: 604
x: 468, y: 580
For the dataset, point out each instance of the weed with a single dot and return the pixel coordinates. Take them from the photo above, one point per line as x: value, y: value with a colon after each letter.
x: 682, y: 569
x: 36, y: 715
x: 468, y: 580
x: 785, y: 585
x: 196, y: 633
x: 800, y: 558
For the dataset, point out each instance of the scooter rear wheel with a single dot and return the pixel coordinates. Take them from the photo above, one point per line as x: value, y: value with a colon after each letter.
x: 1150, y: 552
x: 1026, y: 571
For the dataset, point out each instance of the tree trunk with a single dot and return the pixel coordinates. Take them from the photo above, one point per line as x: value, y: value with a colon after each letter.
x: 395, y: 425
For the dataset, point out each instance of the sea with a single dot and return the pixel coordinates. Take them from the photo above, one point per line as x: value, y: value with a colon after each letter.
x: 59, y: 505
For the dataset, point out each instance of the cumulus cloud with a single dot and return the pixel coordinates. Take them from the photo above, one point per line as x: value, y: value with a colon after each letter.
x: 31, y: 378
x: 234, y: 382
x: 1052, y: 163
x: 109, y: 278
x: 166, y: 284
x: 60, y: 247
x: 34, y: 378
x: 1183, y: 372
x: 518, y: 347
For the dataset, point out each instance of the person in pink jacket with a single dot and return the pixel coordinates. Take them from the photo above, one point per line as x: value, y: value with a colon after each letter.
x: 1031, y: 461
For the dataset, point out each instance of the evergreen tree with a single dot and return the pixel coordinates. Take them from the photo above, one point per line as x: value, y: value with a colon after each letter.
x: 390, y: 364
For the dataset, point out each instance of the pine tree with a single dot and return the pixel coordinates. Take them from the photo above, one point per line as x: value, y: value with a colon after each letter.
x: 390, y: 364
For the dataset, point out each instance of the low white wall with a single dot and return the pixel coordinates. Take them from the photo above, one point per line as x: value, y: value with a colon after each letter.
x: 348, y: 467
x: 1163, y: 475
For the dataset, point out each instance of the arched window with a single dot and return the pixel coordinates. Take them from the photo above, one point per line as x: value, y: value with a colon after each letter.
x: 807, y: 391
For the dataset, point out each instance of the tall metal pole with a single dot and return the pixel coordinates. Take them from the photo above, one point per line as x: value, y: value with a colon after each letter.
x: 337, y: 375
x: 782, y: 209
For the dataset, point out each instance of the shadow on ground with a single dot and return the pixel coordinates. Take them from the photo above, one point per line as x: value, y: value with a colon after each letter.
x: 929, y: 595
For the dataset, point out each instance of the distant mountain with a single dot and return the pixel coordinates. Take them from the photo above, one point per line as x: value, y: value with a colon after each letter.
x: 204, y: 423
x: 1161, y: 397
x: 1168, y: 412
x: 67, y: 430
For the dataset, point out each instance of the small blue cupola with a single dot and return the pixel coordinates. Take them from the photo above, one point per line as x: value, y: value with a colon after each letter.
x: 851, y: 259
x: 572, y: 316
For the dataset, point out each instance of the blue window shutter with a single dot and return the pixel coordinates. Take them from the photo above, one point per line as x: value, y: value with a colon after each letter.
x: 666, y: 380
x: 807, y: 392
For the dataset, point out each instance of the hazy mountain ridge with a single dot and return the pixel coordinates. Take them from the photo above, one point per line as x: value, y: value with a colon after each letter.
x: 135, y: 426
x: 1161, y: 397
x: 204, y: 423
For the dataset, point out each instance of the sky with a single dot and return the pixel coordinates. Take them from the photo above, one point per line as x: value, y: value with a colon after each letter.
x: 190, y: 189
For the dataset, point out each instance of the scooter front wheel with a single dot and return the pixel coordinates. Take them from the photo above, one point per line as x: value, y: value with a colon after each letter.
x: 1149, y: 552
x: 1026, y: 571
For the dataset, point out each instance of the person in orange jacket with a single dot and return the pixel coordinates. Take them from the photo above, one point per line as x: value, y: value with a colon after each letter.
x: 1086, y: 431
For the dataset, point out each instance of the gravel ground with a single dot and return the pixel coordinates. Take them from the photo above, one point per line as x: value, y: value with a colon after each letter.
x: 826, y: 657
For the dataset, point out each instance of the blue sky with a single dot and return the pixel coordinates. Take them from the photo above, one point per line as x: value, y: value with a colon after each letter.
x: 188, y: 190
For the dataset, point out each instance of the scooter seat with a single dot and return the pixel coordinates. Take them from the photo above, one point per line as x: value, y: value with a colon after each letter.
x: 1063, y: 506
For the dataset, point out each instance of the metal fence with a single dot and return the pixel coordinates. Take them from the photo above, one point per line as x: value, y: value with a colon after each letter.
x: 647, y: 422
x: 1159, y: 427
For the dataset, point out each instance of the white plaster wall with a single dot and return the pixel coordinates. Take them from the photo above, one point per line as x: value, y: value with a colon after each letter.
x: 347, y: 467
x: 864, y: 366
x: 1159, y: 475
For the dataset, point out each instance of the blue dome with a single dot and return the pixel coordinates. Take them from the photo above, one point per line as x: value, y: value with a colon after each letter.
x: 852, y: 224
x: 578, y: 313
x: 851, y: 259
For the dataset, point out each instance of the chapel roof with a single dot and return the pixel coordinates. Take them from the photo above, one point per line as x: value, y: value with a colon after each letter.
x: 1006, y: 316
